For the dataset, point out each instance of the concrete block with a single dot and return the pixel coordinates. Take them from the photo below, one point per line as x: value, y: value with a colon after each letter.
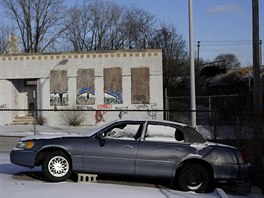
x: 82, y: 177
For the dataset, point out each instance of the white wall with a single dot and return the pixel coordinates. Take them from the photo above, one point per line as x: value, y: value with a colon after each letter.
x: 7, y: 91
x: 38, y: 66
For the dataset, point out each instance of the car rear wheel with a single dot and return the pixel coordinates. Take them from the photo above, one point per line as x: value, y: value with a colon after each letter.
x: 56, y: 167
x: 193, y: 178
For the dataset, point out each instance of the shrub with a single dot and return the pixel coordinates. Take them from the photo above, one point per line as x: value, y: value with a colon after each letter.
x: 73, y: 118
x: 40, y: 120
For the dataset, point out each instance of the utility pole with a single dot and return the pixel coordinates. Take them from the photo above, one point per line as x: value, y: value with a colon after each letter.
x: 260, y: 63
x: 257, y: 109
x: 192, y: 71
x: 260, y: 52
x: 198, y: 52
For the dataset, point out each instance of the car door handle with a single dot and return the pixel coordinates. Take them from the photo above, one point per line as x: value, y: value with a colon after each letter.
x: 128, y: 146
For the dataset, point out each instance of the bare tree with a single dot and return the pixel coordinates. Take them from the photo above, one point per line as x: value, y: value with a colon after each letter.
x: 79, y: 28
x: 95, y: 25
x: 231, y: 60
x: 175, y: 53
x: 105, y: 17
x: 39, y: 22
x: 5, y: 31
x: 139, y: 26
x: 114, y: 37
x: 100, y: 25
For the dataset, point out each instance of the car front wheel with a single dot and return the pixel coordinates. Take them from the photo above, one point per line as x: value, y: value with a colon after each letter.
x: 193, y: 178
x: 56, y: 167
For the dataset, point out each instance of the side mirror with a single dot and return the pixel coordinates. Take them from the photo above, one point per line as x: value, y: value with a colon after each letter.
x: 101, y: 138
x: 102, y: 135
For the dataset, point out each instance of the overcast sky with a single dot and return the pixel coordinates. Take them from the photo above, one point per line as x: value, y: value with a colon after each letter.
x: 222, y: 26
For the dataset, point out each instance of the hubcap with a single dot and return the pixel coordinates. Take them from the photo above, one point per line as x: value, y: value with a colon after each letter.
x: 58, y: 166
x: 194, y: 182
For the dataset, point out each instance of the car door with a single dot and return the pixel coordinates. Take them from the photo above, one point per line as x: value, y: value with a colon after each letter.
x: 159, y: 150
x: 113, y: 149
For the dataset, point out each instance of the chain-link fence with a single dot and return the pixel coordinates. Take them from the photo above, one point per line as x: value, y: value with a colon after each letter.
x: 232, y: 129
x: 216, y: 126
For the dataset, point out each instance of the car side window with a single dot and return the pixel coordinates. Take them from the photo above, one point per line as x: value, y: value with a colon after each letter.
x: 163, y: 133
x: 123, y: 131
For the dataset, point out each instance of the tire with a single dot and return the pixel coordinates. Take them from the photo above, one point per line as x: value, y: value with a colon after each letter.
x: 193, y: 178
x: 56, y: 167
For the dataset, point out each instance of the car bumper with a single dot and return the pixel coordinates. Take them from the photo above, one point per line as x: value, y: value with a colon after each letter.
x: 23, y: 157
x: 233, y: 172
x: 245, y: 171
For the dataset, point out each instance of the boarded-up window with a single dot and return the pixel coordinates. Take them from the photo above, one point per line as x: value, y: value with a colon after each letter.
x: 113, y: 86
x: 58, y: 88
x: 140, y: 85
x: 85, y: 87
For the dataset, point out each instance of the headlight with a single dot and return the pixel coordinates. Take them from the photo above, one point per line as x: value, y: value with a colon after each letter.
x: 25, y: 145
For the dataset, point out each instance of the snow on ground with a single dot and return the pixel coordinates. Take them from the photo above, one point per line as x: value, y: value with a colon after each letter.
x: 13, y: 185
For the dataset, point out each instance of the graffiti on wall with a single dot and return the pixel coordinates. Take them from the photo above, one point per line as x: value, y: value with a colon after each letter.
x: 85, y: 96
x: 113, y: 86
x: 122, y: 111
x: 85, y: 87
x: 113, y: 97
x: 150, y: 110
x: 58, y: 88
x: 59, y: 99
x: 99, y: 114
x: 3, y: 106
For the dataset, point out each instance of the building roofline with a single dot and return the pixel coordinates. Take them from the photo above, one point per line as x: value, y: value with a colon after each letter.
x: 83, y: 52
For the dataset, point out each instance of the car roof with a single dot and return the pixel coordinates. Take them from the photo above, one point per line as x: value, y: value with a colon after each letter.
x: 148, y: 120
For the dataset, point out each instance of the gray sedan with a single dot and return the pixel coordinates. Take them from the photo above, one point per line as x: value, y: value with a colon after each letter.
x: 147, y: 148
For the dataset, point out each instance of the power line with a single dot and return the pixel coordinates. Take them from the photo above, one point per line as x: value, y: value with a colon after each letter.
x: 223, y: 44
x: 226, y: 41
x: 226, y: 44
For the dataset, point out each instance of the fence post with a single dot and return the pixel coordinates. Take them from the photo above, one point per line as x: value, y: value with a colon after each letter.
x: 238, y: 130
x: 215, y: 133
x: 34, y: 116
x: 167, y: 105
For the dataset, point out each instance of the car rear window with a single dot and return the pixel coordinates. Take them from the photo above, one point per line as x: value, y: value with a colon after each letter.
x: 194, y: 136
